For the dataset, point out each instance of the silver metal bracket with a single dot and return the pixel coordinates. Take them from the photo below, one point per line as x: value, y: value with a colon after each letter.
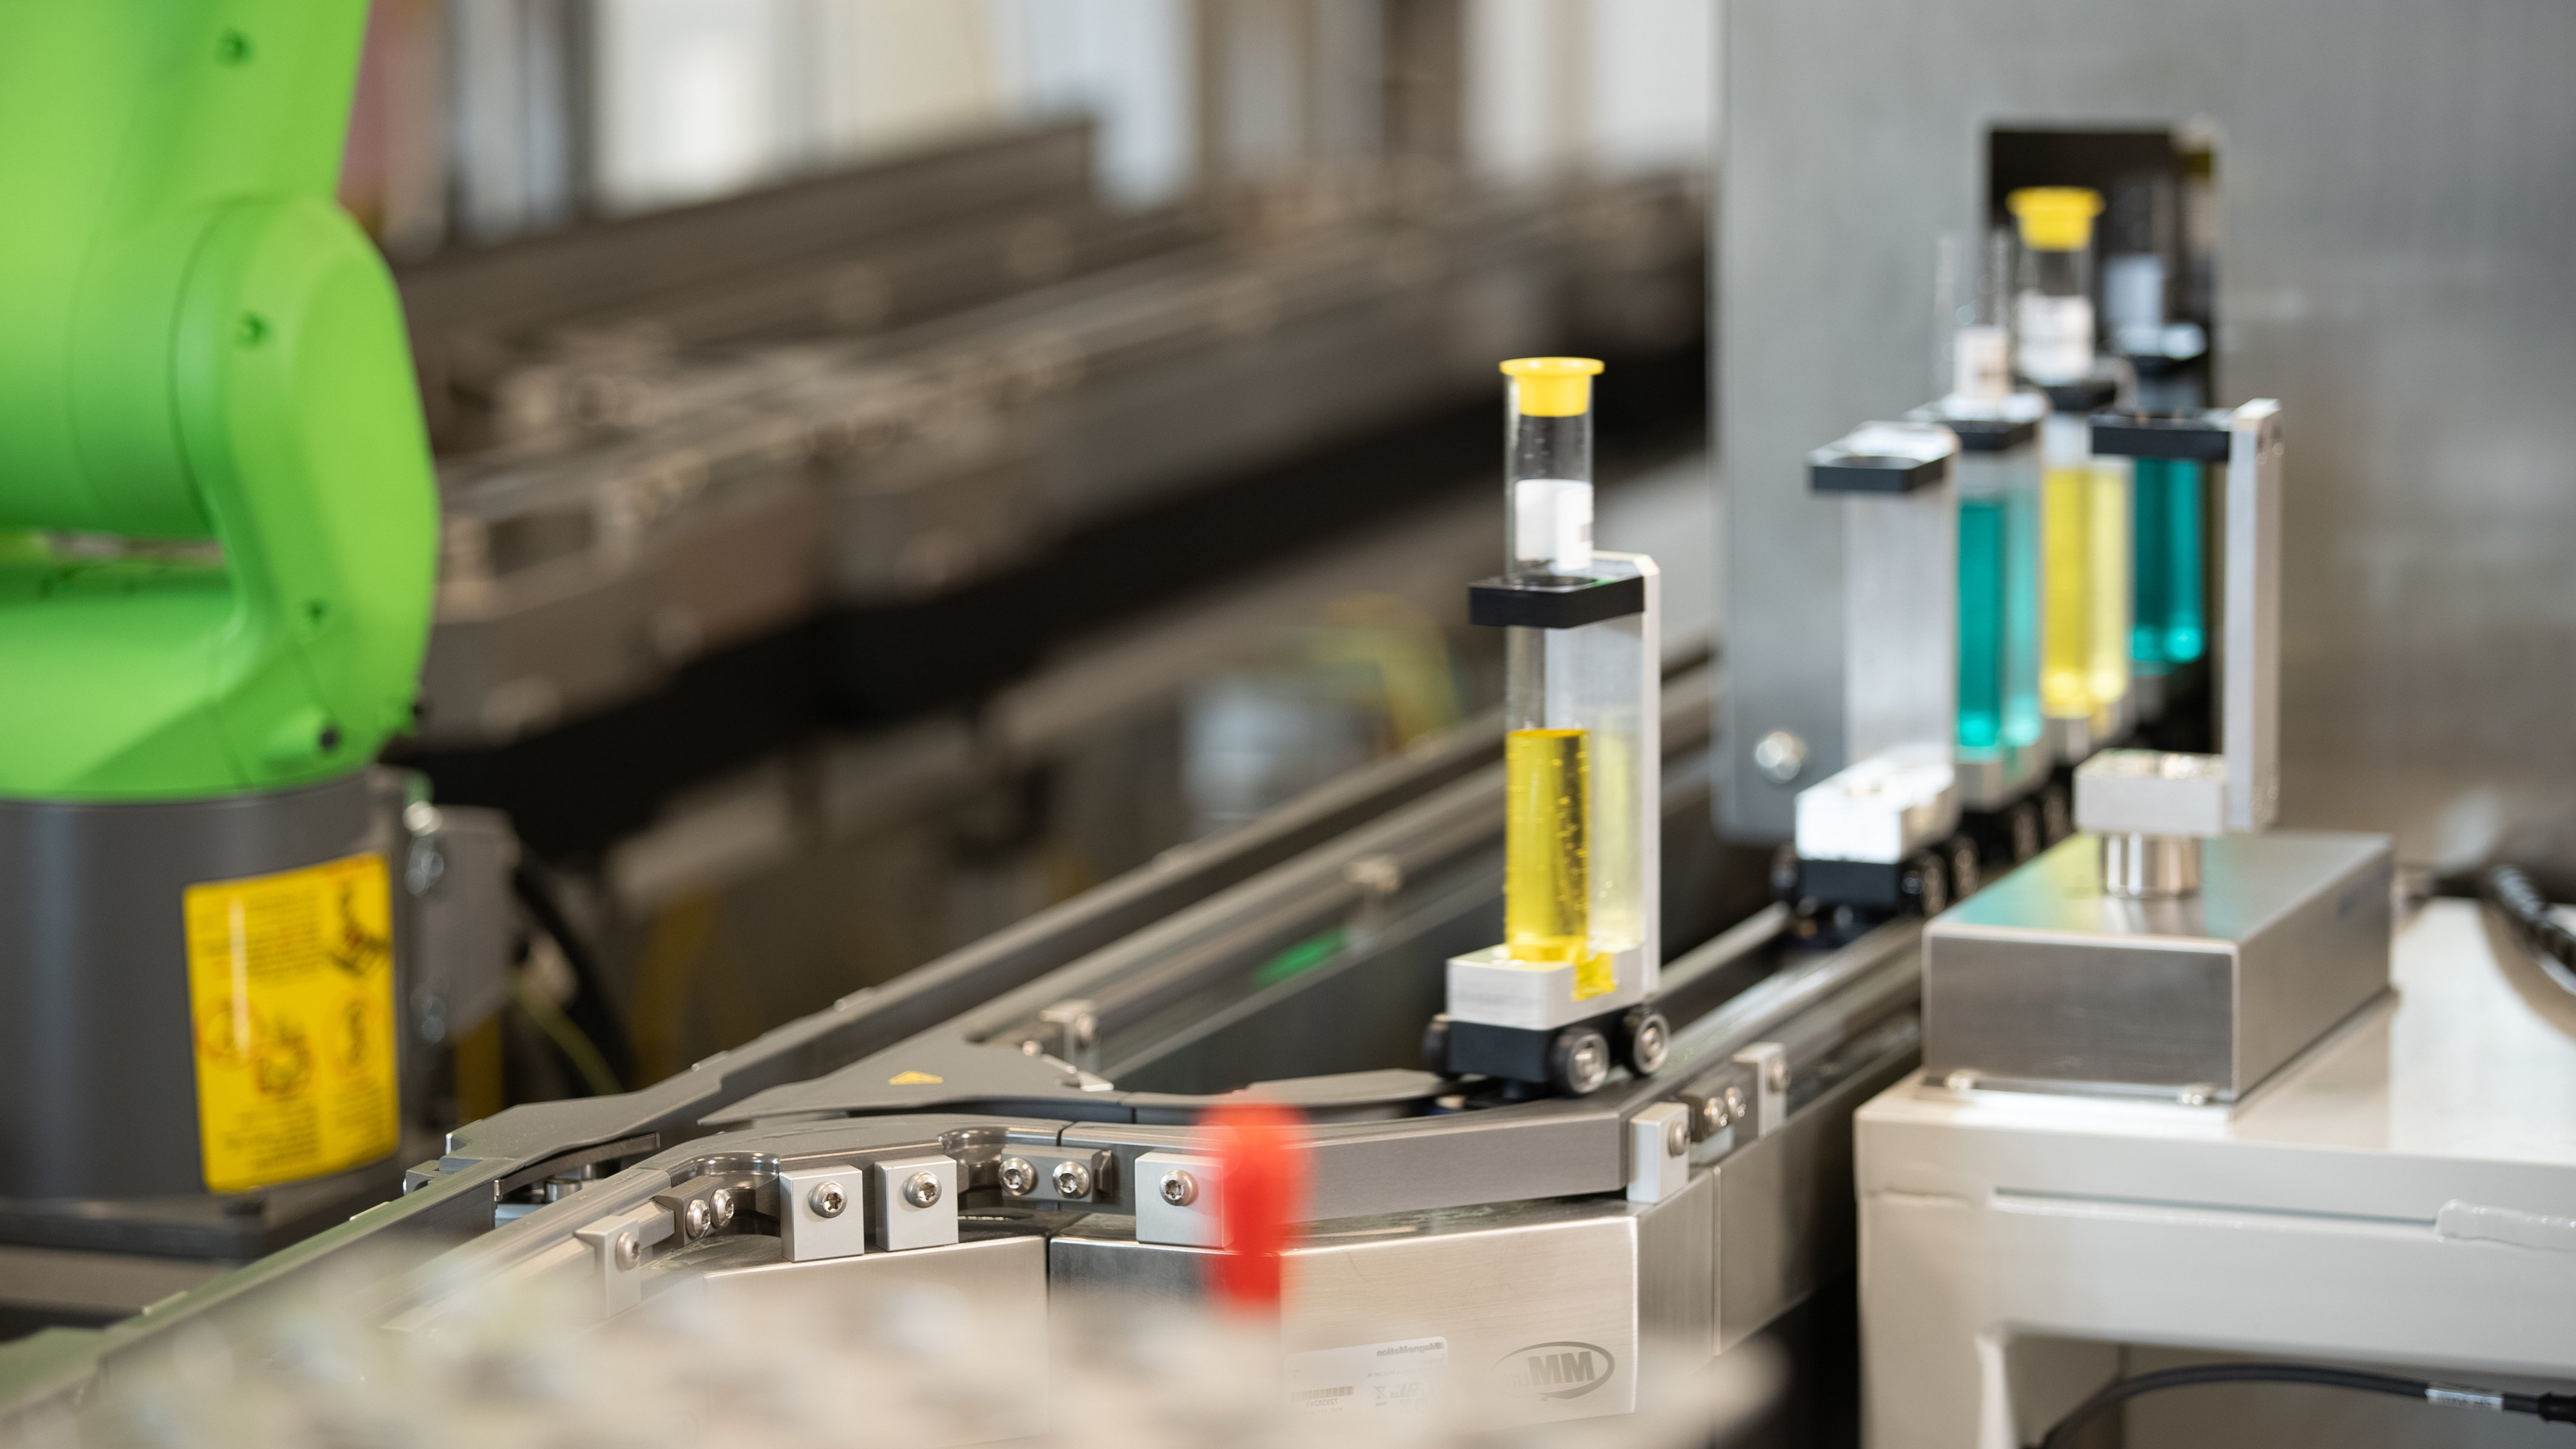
x: 1179, y: 1200
x: 709, y: 1204
x: 1039, y: 1176
x: 1770, y: 1063
x: 1076, y: 1037
x: 621, y: 1245
x: 915, y: 1201
x: 1659, y: 1143
x: 823, y: 1212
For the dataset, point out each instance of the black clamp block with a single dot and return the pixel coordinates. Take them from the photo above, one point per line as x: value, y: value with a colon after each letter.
x: 1866, y: 883
x: 1840, y: 472
x: 2197, y: 437
x: 1992, y: 435
x: 2089, y: 395
x: 1554, y: 601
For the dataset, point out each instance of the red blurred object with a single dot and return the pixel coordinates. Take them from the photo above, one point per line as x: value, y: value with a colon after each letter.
x: 1261, y: 1156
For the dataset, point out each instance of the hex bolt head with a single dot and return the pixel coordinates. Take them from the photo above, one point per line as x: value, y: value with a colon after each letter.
x: 1734, y: 1102
x: 1072, y: 1179
x: 696, y: 1219
x: 921, y: 1189
x: 1179, y: 1188
x: 1019, y: 1176
x: 1676, y: 1137
x: 827, y: 1200
x: 721, y: 1203
x: 629, y: 1252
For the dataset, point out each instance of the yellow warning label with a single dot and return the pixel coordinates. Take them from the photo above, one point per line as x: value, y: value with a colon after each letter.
x: 291, y: 982
x: 914, y: 1079
x: 1594, y: 975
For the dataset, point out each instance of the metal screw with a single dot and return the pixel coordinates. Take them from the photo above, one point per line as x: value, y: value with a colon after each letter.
x: 921, y: 1189
x: 630, y: 1251
x: 1734, y: 1103
x: 1961, y: 1080
x: 2197, y: 1095
x: 696, y: 1219
x: 1019, y: 1176
x: 1072, y: 1179
x: 1179, y: 1188
x: 827, y: 1200
x: 1713, y: 1116
x: 1775, y: 1074
x: 1780, y: 755
x: 1676, y: 1137
x: 722, y: 1203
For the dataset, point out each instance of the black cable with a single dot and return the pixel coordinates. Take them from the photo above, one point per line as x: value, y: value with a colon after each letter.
x: 591, y: 1008
x: 2526, y: 914
x: 2548, y: 1408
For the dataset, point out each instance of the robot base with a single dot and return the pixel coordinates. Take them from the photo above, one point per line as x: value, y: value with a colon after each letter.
x: 1573, y: 1059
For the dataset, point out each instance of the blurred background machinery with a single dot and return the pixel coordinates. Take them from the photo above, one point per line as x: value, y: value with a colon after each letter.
x: 904, y: 464
x: 885, y: 497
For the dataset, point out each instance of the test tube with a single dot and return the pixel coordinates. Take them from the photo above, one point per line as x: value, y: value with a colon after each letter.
x: 2053, y: 307
x: 2085, y: 501
x: 1548, y: 759
x: 2107, y: 635
x: 2066, y: 573
x: 1998, y: 485
x: 2168, y: 628
x: 1999, y: 527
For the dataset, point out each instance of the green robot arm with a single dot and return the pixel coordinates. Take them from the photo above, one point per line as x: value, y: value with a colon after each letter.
x: 201, y: 358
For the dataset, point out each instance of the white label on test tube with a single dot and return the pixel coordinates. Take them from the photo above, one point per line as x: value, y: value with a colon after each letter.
x: 1981, y: 364
x: 1552, y: 523
x: 2056, y: 337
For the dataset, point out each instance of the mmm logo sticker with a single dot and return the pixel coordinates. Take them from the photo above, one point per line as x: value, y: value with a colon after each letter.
x: 1560, y: 1370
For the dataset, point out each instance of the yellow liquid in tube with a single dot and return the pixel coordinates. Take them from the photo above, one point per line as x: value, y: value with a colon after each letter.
x: 1547, y: 859
x: 2066, y: 602
x: 2107, y: 634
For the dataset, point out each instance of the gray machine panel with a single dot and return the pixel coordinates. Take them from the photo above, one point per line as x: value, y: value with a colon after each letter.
x: 2393, y: 184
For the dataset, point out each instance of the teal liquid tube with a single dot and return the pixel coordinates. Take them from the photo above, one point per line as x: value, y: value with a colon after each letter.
x: 1998, y: 601
x: 1981, y: 622
x: 2168, y: 628
x: 2022, y: 717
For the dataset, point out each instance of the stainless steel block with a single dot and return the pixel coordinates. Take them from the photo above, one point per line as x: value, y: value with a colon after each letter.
x: 1471, y: 1296
x: 2045, y: 979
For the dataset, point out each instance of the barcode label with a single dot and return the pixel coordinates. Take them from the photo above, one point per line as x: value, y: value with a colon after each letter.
x: 1404, y: 1375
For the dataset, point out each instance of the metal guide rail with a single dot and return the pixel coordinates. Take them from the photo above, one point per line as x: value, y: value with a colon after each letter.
x: 1036, y: 1091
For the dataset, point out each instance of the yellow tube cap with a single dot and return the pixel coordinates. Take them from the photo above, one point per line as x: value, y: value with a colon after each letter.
x: 1553, y: 387
x: 2055, y: 218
